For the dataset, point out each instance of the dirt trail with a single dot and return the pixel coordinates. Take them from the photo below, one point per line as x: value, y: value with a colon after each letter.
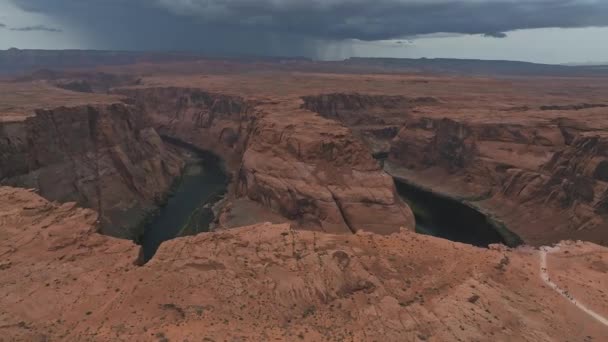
x: 544, y: 274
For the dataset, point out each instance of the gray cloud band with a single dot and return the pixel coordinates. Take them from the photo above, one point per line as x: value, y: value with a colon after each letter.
x: 30, y: 28
x: 35, y: 28
x: 356, y: 19
x: 297, y: 27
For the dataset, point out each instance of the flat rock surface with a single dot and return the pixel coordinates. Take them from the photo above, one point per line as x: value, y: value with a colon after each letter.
x: 21, y: 99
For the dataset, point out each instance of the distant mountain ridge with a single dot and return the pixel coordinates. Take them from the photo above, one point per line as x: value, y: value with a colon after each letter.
x: 600, y: 64
x: 16, y: 61
x: 13, y: 61
x: 476, y: 66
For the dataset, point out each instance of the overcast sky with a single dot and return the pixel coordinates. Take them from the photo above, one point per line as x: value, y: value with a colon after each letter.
x: 552, y: 31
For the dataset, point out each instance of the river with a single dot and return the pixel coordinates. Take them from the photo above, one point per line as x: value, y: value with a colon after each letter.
x: 188, y: 210
x: 451, y: 219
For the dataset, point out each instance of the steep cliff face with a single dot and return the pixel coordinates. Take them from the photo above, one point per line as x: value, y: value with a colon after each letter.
x: 214, y: 122
x: 574, y: 181
x: 556, y: 169
x: 578, y: 173
x: 444, y: 143
x: 457, y: 145
x: 358, y: 109
x: 314, y: 171
x: 375, y: 119
x: 308, y: 169
x: 105, y: 157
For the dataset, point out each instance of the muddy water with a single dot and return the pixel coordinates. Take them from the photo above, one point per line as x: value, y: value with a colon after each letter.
x: 450, y: 219
x: 188, y: 210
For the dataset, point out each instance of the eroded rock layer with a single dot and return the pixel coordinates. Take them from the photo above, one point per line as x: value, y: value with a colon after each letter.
x: 315, y: 171
x: 59, y: 280
x: 105, y: 157
x: 210, y: 121
x: 375, y: 119
x: 309, y: 169
x: 547, y: 181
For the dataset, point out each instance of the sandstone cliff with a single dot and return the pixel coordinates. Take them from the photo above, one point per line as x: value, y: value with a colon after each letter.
x: 213, y: 122
x: 315, y: 171
x: 59, y: 280
x: 548, y: 171
x: 375, y: 119
x: 308, y: 169
x: 105, y: 157
x: 358, y: 109
x: 545, y: 179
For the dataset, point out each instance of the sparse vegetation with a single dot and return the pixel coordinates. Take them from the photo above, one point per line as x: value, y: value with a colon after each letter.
x: 310, y: 311
x: 504, y: 262
x: 473, y: 299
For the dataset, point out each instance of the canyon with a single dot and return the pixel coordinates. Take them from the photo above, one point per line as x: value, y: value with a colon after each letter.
x: 328, y: 176
x: 104, y: 156
x: 308, y: 169
x: 539, y: 170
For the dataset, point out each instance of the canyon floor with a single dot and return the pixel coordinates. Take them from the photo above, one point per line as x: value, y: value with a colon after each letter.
x: 316, y: 154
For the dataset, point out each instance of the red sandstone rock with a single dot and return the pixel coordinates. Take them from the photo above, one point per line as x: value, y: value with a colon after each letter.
x: 543, y: 172
x: 309, y: 169
x: 106, y: 157
x: 59, y: 280
x: 541, y: 169
x: 214, y: 122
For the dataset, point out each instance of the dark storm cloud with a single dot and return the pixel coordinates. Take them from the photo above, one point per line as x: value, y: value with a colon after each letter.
x: 495, y: 35
x: 384, y: 19
x: 2, y: 25
x: 147, y: 25
x: 35, y: 28
x: 272, y: 26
